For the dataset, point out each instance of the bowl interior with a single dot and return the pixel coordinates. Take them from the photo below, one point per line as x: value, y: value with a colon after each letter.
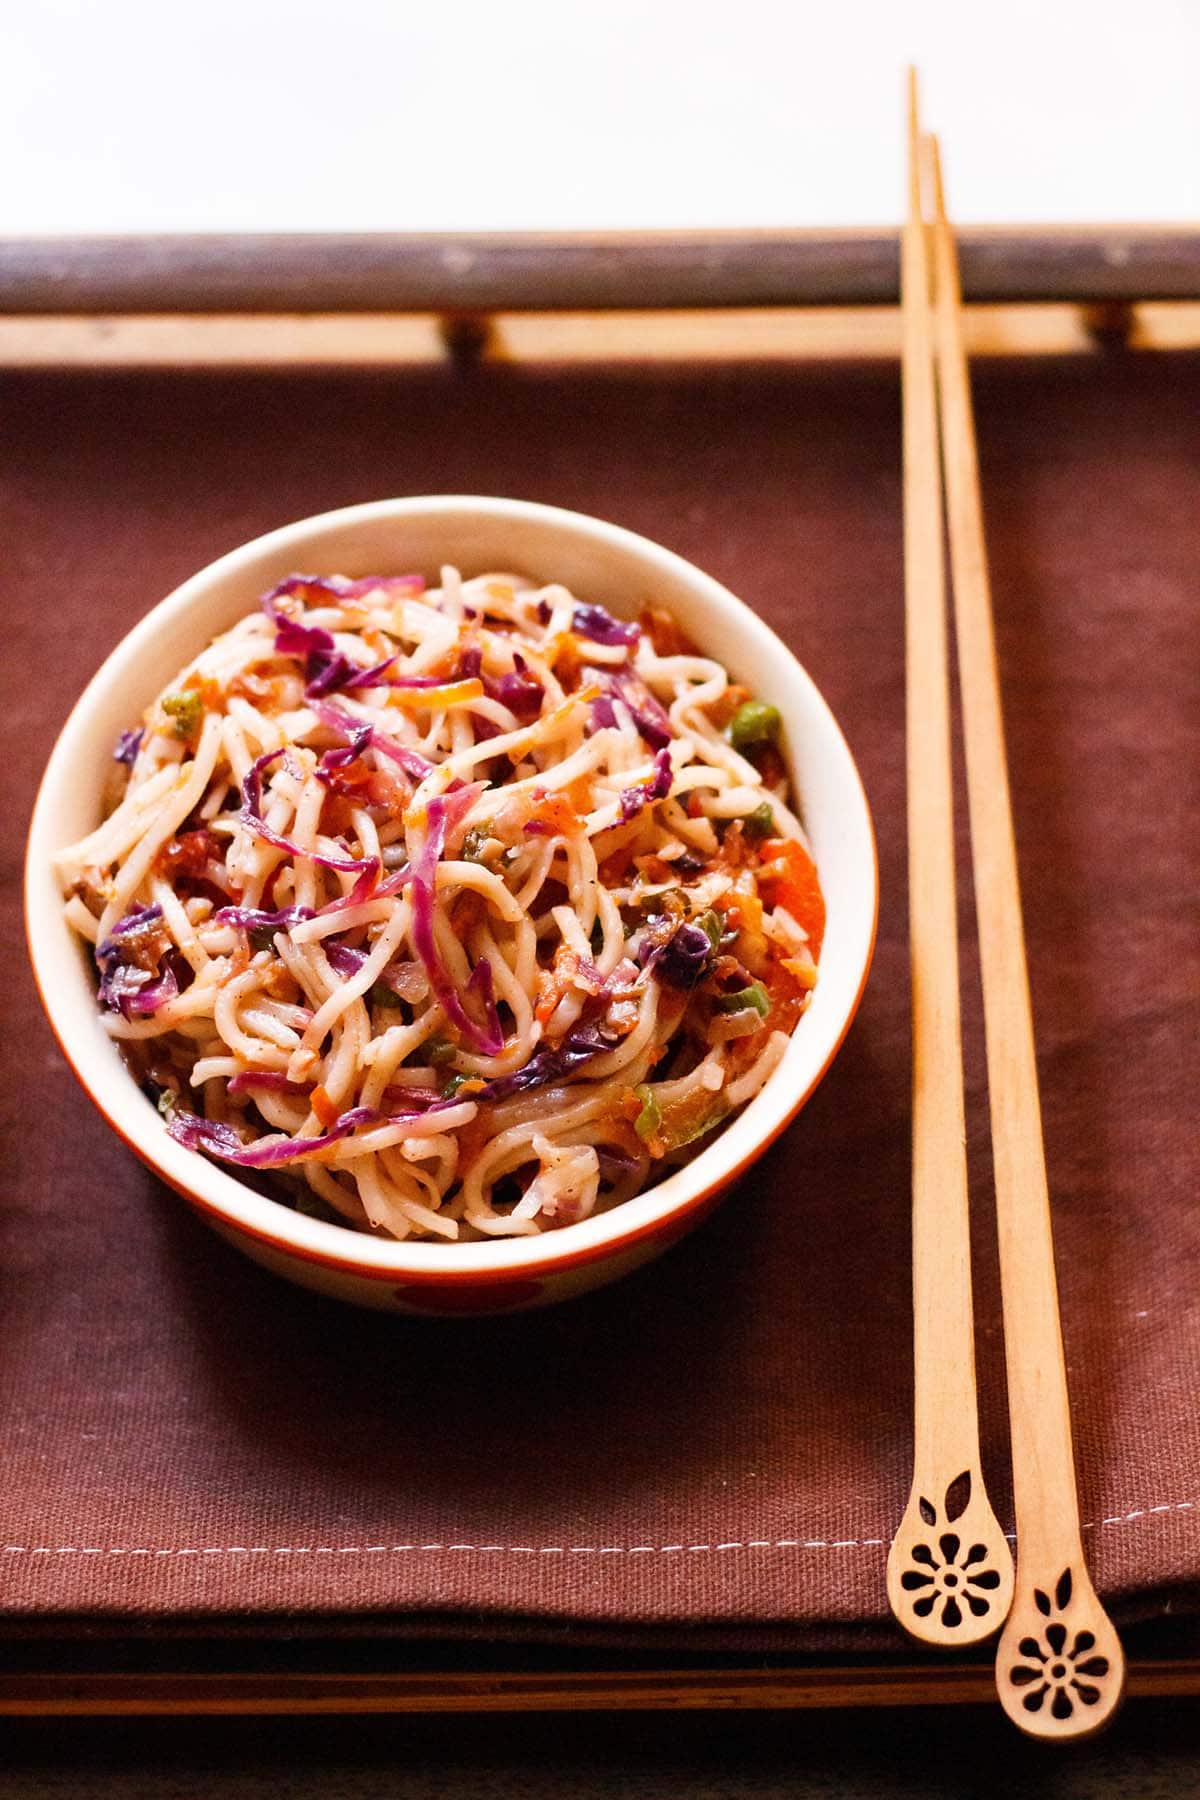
x: 597, y: 561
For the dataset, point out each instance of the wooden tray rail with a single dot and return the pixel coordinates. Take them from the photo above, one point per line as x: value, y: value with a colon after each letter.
x: 145, y: 1693
x: 485, y: 273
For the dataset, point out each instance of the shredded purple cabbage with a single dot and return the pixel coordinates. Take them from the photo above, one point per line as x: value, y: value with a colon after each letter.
x: 342, y: 959
x: 481, y: 983
x: 223, y: 1141
x: 586, y: 969
x: 325, y: 671
x: 337, y: 588
x: 124, y: 987
x: 326, y: 668
x: 621, y: 978
x: 329, y: 675
x: 602, y: 714
x: 520, y: 691
x: 643, y: 708
x: 292, y: 638
x: 333, y: 761
x: 683, y: 959
x: 597, y: 623
x: 420, y: 1099
x: 252, y: 918
x: 551, y: 1064
x: 577, y: 1049
x: 273, y: 1080
x: 368, y: 887
x: 633, y: 799
x: 134, y: 992
x: 373, y: 677
x: 615, y: 1164
x: 362, y: 737
x: 132, y: 921
x: 128, y: 745
x: 251, y: 818
x: 442, y: 813
x: 346, y: 961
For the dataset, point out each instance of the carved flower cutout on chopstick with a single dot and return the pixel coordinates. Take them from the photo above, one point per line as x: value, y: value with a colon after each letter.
x: 953, y: 1577
x: 1052, y: 1668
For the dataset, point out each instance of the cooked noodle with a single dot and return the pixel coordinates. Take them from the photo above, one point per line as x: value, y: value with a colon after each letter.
x: 467, y: 909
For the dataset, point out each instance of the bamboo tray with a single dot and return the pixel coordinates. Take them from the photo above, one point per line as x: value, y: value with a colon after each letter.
x: 107, y: 333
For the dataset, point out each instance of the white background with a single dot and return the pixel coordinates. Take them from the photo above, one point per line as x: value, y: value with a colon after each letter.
x: 138, y: 115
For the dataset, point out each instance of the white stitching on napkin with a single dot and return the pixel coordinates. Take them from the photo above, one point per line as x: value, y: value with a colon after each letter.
x: 1140, y: 1512
x: 477, y: 1549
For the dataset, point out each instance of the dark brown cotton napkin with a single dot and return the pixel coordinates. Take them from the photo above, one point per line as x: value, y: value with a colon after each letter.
x: 722, y: 1443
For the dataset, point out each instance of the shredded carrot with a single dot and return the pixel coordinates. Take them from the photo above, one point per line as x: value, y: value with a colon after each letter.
x: 804, y: 974
x: 323, y: 1107
x: 566, y: 659
x: 555, y: 813
x: 579, y: 793
x: 790, y: 873
x: 660, y: 627
x: 549, y: 995
x: 210, y: 693
x: 453, y: 693
x: 653, y: 868
x: 350, y: 777
x: 744, y: 910
x: 722, y: 710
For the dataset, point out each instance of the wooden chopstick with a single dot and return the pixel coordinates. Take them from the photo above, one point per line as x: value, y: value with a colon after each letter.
x: 950, y: 1573
x: 1059, y: 1669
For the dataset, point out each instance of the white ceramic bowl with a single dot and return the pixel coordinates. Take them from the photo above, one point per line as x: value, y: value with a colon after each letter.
x: 600, y: 562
